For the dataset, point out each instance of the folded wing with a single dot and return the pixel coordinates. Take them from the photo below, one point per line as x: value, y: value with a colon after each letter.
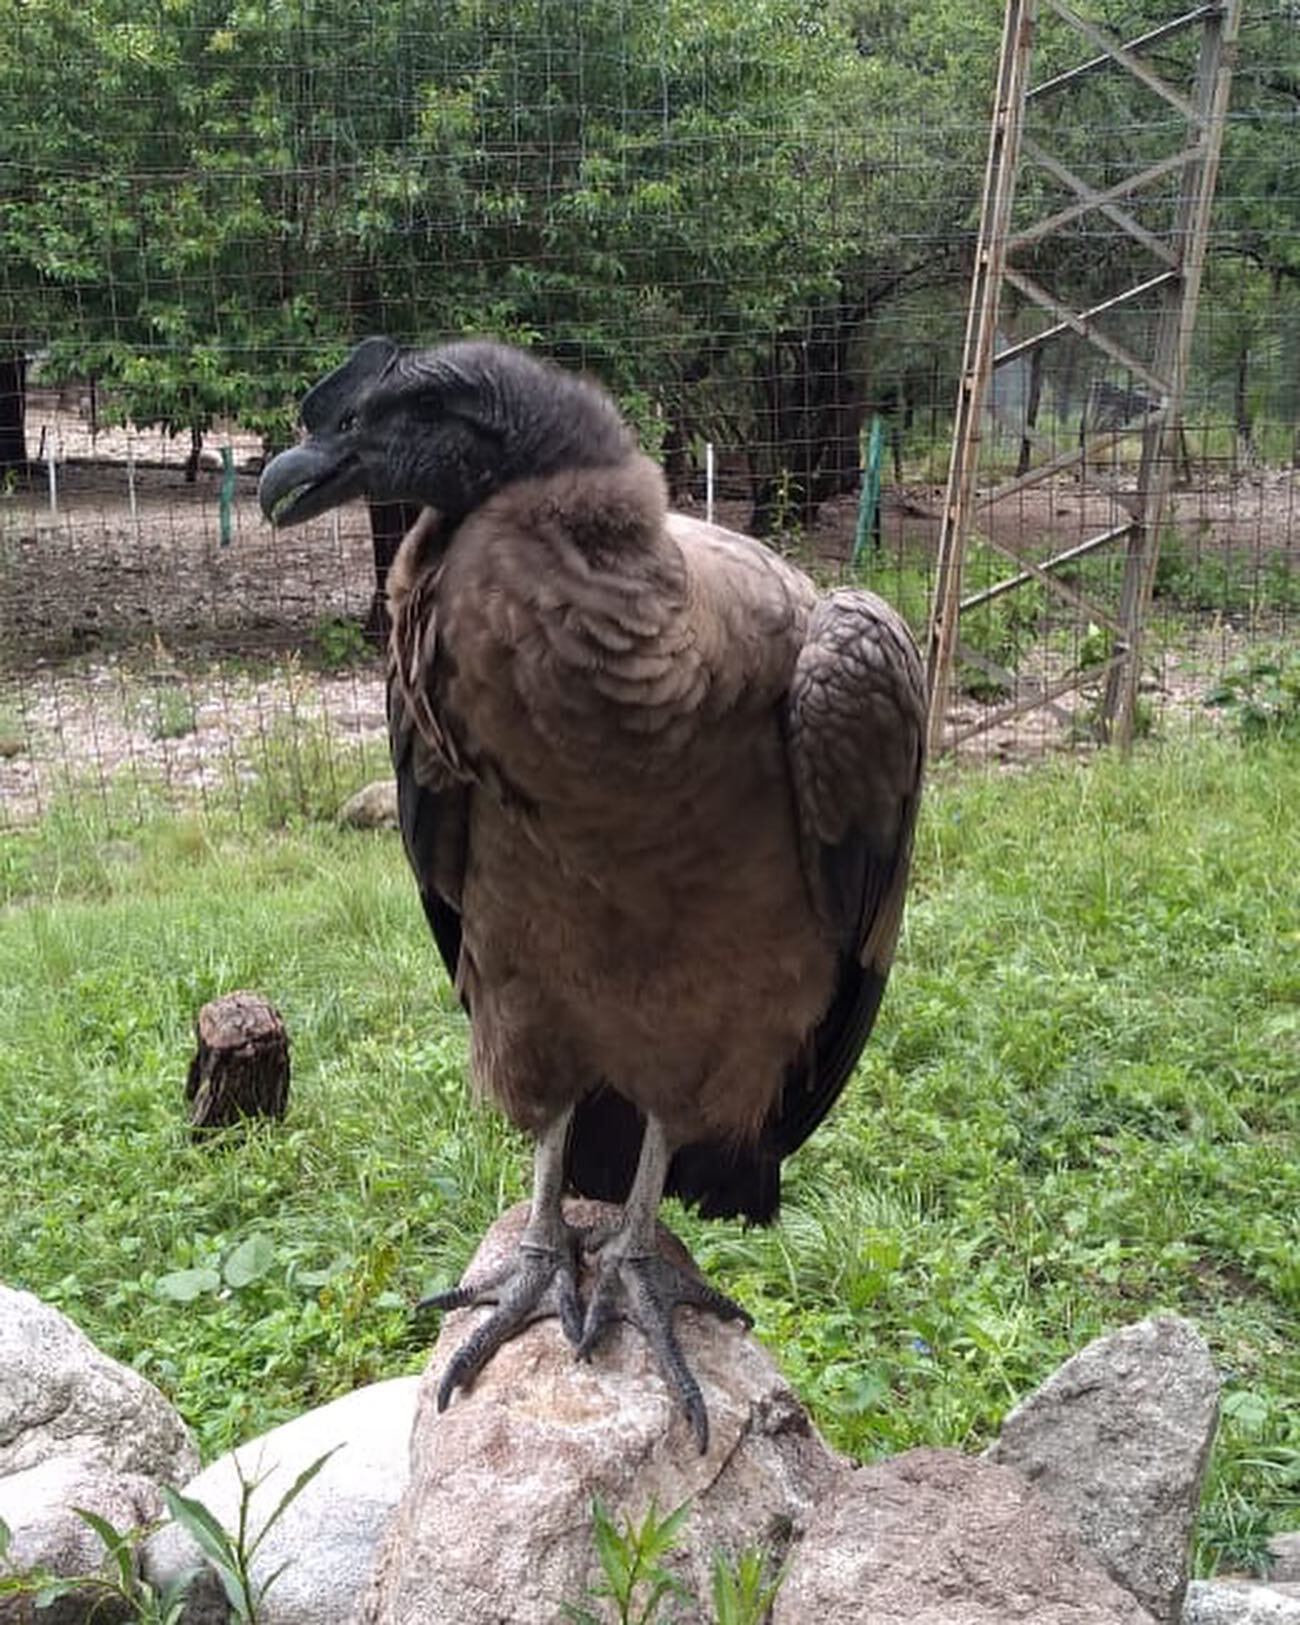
x: 856, y: 723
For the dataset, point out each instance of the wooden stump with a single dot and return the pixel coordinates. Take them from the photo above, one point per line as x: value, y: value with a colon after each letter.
x: 242, y: 1066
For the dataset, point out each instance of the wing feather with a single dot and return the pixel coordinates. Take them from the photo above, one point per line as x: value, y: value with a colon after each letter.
x: 433, y: 791
x: 855, y: 742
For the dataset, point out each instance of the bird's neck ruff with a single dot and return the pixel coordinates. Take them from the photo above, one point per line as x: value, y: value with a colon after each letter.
x: 611, y: 514
x: 608, y: 513
x: 606, y: 521
x: 421, y: 549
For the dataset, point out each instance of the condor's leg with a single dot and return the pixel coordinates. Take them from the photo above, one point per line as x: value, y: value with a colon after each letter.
x: 540, y: 1280
x: 635, y: 1282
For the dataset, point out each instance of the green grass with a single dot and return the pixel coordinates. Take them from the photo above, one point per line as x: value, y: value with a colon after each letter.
x: 1194, y: 583
x: 170, y: 713
x: 1082, y: 1106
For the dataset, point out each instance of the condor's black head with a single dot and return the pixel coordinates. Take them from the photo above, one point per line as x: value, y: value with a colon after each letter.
x: 443, y: 428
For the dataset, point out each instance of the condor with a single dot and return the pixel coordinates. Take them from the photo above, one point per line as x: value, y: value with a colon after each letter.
x: 658, y: 795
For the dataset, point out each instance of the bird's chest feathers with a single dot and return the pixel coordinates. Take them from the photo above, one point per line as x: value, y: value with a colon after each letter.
x: 559, y: 667
x: 611, y: 691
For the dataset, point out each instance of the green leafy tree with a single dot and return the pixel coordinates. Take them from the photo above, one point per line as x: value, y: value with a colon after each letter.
x: 752, y: 218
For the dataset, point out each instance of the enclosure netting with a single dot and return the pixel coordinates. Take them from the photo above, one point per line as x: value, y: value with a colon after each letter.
x: 753, y: 221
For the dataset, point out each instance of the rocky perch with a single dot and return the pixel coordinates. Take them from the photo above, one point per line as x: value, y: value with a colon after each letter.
x: 1080, y: 1513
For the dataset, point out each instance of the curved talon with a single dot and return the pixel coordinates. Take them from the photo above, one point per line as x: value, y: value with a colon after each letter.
x: 568, y: 1305
x: 644, y: 1289
x: 539, y: 1281
x: 470, y: 1358
x: 456, y: 1297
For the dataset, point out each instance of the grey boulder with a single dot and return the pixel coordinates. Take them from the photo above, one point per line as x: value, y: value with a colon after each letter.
x: 1218, y: 1602
x: 1284, y: 1558
x: 60, y: 1396
x: 933, y: 1537
x: 324, y: 1543
x: 77, y: 1429
x: 495, y: 1526
x: 37, y: 1504
x: 374, y: 806
x: 1117, y: 1441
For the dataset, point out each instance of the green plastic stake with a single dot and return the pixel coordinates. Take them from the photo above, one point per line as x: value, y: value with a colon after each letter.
x: 226, y: 495
x: 871, y: 451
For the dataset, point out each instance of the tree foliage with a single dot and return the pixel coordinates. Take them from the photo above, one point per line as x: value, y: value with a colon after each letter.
x: 712, y: 203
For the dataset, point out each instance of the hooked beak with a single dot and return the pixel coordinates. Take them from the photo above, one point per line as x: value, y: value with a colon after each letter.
x: 322, y: 473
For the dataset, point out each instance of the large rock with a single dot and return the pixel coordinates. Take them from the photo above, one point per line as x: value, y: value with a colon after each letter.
x: 937, y: 1538
x: 37, y: 1504
x: 374, y: 806
x: 1284, y: 1558
x: 1117, y: 1440
x: 326, y: 1540
x: 495, y: 1526
x: 77, y: 1429
x: 1212, y: 1602
x: 60, y: 1396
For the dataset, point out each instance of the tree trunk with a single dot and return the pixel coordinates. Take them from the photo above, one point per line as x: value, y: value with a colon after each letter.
x: 242, y: 1065
x: 812, y: 409
x: 1031, y: 409
x: 1241, y: 409
x: 192, y: 461
x: 13, y: 416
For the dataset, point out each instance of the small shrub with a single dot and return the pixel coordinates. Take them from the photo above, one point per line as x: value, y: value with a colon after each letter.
x: 297, y: 773
x: 1257, y: 1434
x: 121, y: 1582
x: 785, y: 527
x: 637, y: 1582
x: 172, y: 713
x: 120, y: 1585
x: 1095, y: 647
x: 743, y: 1593
x: 1260, y: 692
x: 632, y: 1559
x: 232, y: 1555
x: 1218, y: 578
x: 1003, y: 630
x: 337, y: 644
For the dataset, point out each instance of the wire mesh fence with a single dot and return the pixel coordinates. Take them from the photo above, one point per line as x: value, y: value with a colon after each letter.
x: 753, y: 222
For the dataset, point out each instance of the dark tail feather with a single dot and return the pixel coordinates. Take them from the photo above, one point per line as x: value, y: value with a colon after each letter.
x: 814, y: 1083
x: 722, y: 1180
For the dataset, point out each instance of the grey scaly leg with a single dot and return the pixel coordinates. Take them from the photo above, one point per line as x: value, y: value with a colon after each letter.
x: 635, y: 1282
x: 540, y: 1280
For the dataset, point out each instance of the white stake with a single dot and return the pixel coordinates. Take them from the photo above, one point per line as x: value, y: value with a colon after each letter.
x: 708, y: 482
x: 54, y: 478
x: 130, y: 475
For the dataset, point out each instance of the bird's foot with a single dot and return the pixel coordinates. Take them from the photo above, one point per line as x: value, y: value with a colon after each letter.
x: 540, y: 1280
x: 645, y: 1288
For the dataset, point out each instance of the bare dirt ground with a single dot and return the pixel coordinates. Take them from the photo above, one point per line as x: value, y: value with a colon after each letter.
x: 133, y: 642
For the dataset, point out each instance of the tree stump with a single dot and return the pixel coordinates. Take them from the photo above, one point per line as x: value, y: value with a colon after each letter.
x: 242, y: 1066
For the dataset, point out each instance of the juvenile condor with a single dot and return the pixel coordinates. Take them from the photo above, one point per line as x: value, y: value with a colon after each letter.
x: 658, y: 795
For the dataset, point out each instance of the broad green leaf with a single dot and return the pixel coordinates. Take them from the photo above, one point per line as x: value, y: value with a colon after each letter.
x: 249, y: 1261
x: 184, y: 1286
x: 206, y: 1530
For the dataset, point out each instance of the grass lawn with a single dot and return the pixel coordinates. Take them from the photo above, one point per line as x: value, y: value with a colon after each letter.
x: 1082, y: 1106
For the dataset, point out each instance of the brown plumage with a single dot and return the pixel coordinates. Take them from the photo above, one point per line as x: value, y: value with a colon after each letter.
x: 658, y: 796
